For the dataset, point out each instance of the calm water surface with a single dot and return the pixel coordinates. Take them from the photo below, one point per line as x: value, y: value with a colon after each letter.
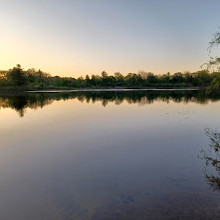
x: 108, y: 155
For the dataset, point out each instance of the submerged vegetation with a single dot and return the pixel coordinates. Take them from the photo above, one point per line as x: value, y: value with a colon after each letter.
x: 17, y: 78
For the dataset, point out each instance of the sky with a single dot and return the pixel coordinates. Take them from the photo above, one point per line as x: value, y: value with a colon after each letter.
x: 79, y: 37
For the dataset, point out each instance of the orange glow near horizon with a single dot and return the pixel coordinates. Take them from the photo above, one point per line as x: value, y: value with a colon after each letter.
x: 66, y: 42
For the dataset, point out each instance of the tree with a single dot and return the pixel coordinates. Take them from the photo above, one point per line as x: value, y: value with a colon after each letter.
x: 104, y: 74
x: 215, y: 40
x: 88, y: 81
x: 215, y: 83
x: 214, y: 63
x: 177, y: 78
x: 119, y: 78
x: 16, y: 76
x: 151, y: 78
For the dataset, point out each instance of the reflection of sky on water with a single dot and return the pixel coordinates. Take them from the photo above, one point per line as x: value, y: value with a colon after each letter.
x: 73, y: 160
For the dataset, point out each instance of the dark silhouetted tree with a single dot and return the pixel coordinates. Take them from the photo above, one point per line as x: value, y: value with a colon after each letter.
x: 16, y: 76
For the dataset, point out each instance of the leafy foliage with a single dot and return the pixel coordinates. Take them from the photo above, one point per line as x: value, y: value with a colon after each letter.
x: 37, y: 79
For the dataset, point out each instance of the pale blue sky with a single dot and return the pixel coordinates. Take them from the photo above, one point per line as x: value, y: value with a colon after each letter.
x: 82, y: 37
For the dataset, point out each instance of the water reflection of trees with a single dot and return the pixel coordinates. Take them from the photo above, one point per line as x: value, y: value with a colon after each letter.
x: 20, y: 102
x: 211, y: 156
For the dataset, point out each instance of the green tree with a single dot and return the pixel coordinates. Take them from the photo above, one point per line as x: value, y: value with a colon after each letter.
x: 119, y: 79
x: 16, y: 76
x: 214, y: 63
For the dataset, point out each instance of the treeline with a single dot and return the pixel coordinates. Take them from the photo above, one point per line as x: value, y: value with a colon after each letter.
x: 31, y: 78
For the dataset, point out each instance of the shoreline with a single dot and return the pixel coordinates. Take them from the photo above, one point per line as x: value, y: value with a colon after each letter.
x: 113, y: 90
x: 119, y: 89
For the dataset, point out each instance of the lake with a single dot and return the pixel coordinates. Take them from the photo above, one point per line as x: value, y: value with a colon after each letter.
x: 109, y: 155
